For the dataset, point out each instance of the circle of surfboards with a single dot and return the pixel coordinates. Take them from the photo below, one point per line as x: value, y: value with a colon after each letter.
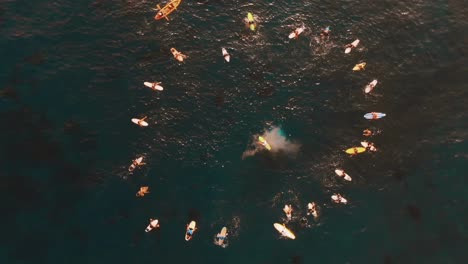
x: 284, y: 231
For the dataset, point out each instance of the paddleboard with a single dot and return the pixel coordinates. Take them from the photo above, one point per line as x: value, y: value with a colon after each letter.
x: 343, y: 174
x: 264, y: 143
x: 355, y: 150
x: 354, y: 44
x: 151, y: 224
x: 284, y: 231
x: 139, y: 122
x: 374, y: 115
x: 192, y: 227
x: 221, y: 236
x: 370, y: 86
x: 154, y: 86
x: 359, y: 66
x: 226, y: 55
x: 250, y: 19
x: 343, y: 200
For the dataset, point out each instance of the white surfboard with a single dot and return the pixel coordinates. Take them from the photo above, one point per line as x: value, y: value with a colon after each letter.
x: 296, y: 32
x: 221, y: 236
x: 152, y: 225
x: 133, y: 166
x: 284, y: 231
x: 369, y: 146
x: 335, y: 198
x: 354, y: 44
x: 139, y: 122
x: 191, y: 228
x: 343, y: 174
x: 226, y: 55
x: 370, y: 86
x: 155, y: 86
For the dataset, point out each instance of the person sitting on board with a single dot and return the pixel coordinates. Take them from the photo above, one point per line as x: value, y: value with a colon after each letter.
x: 219, y: 236
x: 137, y: 163
x: 154, y: 85
x: 143, y: 190
x: 312, y: 209
x: 338, y: 198
x: 296, y: 33
x: 154, y: 223
x: 367, y: 133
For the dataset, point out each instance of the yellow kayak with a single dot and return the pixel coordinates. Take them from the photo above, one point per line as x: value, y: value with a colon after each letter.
x: 250, y: 19
x: 359, y: 66
x: 262, y: 141
x: 355, y: 150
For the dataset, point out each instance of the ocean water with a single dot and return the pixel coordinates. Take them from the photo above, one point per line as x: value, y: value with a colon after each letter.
x: 71, y: 79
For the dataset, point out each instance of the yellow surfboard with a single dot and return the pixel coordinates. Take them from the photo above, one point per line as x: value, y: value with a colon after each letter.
x: 359, y: 66
x: 264, y: 143
x: 355, y: 150
x: 251, y: 20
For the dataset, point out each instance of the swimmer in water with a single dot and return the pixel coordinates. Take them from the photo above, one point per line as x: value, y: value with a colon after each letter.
x: 288, y: 211
x: 325, y: 33
x: 367, y: 133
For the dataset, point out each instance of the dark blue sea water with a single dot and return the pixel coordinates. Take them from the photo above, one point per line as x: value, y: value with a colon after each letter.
x: 71, y: 78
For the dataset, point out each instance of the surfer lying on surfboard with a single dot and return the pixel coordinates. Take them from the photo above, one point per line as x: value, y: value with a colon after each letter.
x: 264, y: 143
x: 154, y: 223
x: 136, y: 163
x: 312, y: 210
x: 295, y: 34
x: 337, y: 198
x: 288, y: 211
x: 178, y: 55
x: 143, y: 190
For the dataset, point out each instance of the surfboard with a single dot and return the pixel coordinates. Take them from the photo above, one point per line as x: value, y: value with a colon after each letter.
x: 284, y: 231
x: 335, y: 198
x: 370, y: 86
x: 374, y: 115
x: 167, y: 9
x: 132, y: 166
x: 354, y: 44
x: 154, y: 86
x: 296, y: 32
x: 139, y: 122
x: 264, y: 143
x: 355, y: 150
x: 366, y: 144
x: 226, y: 55
x: 221, y: 236
x: 359, y: 66
x: 191, y: 226
x: 178, y: 55
x: 343, y: 174
x: 251, y: 20
x: 151, y: 224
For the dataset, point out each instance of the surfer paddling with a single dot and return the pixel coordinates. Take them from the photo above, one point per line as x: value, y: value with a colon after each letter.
x: 337, y: 198
x: 136, y: 163
x: 343, y: 174
x: 359, y: 66
x: 351, y: 46
x: 288, y: 211
x: 154, y: 223
x: 312, y: 209
x: 178, y: 55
